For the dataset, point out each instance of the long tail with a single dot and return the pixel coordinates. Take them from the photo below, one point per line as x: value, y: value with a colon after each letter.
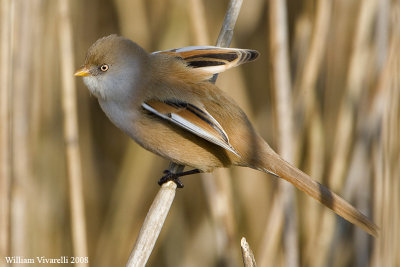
x: 273, y: 163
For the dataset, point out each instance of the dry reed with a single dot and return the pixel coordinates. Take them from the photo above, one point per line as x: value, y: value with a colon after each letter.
x: 71, y: 135
x: 283, y: 203
x: 5, y: 157
x: 344, y: 66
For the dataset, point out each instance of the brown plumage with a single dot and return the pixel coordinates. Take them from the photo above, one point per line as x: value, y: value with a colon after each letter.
x: 165, y: 102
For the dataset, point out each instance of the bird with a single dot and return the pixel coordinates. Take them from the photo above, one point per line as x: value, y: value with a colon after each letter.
x: 166, y: 102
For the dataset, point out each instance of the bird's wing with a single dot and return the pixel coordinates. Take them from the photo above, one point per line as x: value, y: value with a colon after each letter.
x: 192, y: 118
x: 212, y: 59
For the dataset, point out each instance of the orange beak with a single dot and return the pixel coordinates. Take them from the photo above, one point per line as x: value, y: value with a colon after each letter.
x: 84, y: 71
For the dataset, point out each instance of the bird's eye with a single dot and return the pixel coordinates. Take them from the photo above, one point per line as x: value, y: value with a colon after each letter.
x: 104, y: 67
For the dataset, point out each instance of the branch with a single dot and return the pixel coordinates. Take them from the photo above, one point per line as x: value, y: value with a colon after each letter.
x: 154, y: 221
x: 226, y: 33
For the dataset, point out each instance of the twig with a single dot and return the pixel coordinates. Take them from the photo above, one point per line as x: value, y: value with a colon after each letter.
x: 226, y: 33
x: 71, y: 133
x: 247, y: 254
x: 159, y: 209
x: 154, y: 222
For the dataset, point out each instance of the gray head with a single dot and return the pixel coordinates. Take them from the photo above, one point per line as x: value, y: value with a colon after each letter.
x: 113, y: 67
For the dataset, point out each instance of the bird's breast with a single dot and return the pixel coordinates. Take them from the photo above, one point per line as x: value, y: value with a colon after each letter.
x: 122, y: 115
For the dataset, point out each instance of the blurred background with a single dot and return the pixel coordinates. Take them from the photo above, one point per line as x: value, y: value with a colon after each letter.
x: 340, y: 65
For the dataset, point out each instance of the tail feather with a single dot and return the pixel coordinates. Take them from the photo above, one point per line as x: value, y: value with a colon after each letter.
x: 281, y: 168
x: 212, y: 59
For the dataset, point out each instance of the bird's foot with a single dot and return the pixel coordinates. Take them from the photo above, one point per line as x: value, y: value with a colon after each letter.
x: 169, y: 176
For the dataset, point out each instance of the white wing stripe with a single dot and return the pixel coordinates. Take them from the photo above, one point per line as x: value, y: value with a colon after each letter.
x: 200, y: 132
x: 191, y: 128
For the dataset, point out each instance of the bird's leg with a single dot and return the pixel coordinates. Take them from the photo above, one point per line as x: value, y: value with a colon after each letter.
x: 169, y: 176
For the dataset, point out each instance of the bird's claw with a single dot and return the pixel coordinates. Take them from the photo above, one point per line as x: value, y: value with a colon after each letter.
x: 169, y: 176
